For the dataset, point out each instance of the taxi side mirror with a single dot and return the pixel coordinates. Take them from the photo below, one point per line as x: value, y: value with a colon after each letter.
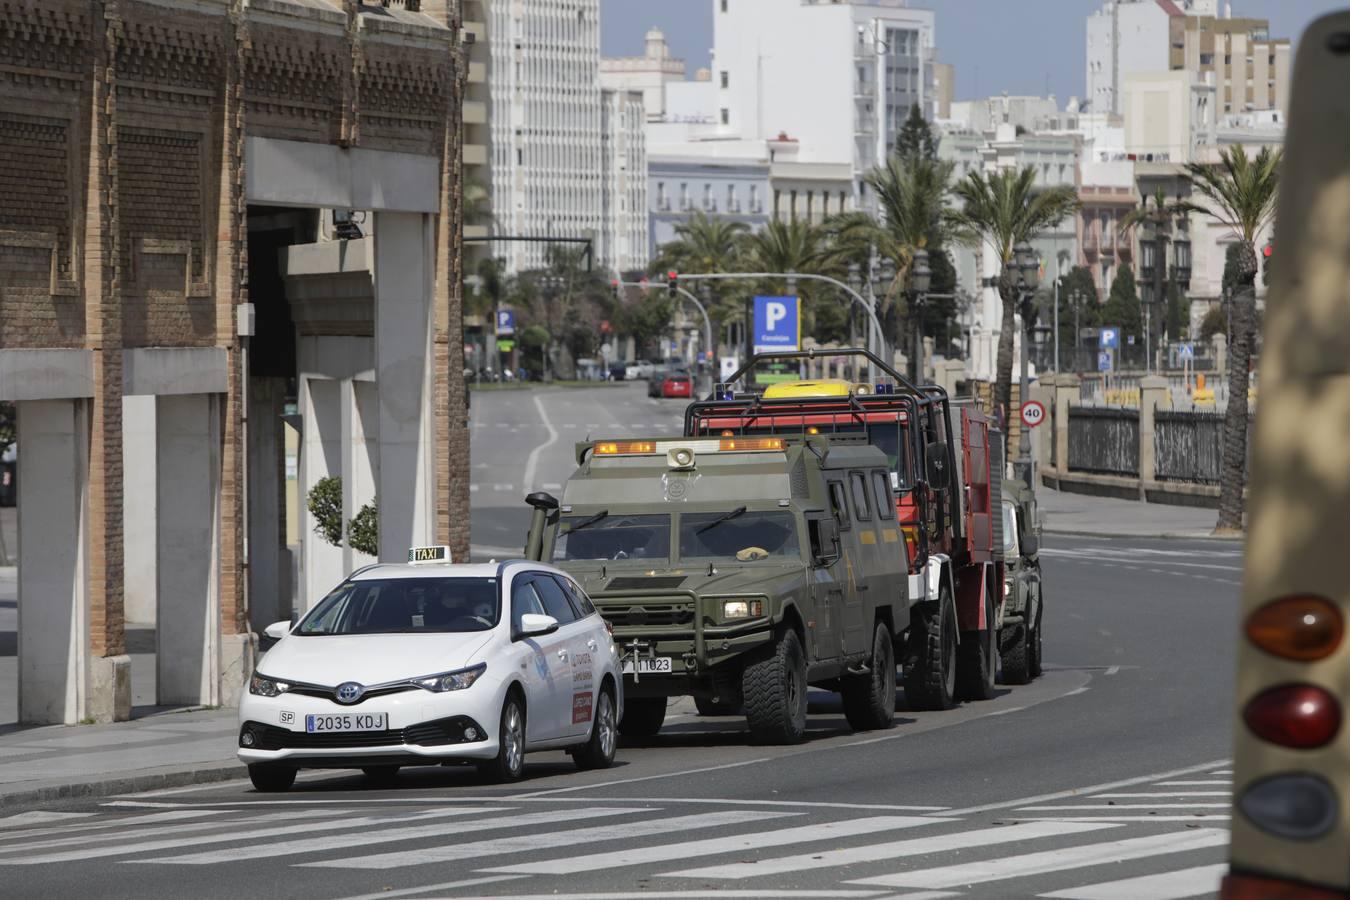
x: 535, y: 625
x: 277, y: 630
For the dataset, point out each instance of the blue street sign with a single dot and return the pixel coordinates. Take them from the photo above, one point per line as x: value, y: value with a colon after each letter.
x: 506, y: 321
x: 1185, y: 351
x: 1110, y: 338
x: 1104, y: 361
x: 777, y: 324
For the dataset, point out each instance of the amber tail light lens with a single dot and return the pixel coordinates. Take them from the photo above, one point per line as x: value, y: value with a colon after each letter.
x: 1299, y: 716
x: 1300, y: 628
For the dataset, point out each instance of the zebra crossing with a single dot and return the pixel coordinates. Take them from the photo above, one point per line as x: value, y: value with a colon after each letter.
x: 1159, y: 838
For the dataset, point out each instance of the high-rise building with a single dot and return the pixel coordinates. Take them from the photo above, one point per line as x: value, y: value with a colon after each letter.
x: 838, y: 78
x: 648, y: 73
x: 624, y: 235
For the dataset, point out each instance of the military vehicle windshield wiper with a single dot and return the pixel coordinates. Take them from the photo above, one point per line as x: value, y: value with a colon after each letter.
x: 738, y: 511
x: 589, y: 522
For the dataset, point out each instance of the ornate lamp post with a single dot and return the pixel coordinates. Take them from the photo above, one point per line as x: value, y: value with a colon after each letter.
x: 1029, y: 271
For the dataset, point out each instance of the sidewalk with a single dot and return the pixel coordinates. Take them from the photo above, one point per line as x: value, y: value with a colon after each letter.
x: 1080, y: 514
x: 169, y: 749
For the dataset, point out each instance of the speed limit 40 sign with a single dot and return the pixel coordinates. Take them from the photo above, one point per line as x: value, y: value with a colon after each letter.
x: 1033, y: 413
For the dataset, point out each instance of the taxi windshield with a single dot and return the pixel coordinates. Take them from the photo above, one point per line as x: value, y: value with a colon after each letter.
x: 613, y: 537
x: 747, y: 536
x: 406, y: 606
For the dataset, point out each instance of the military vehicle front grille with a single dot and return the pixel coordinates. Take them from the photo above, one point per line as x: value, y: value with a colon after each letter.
x: 801, y: 489
x: 648, y: 583
x: 651, y: 614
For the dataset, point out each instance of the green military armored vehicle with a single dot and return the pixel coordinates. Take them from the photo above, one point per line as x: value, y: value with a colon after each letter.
x: 738, y: 571
x: 1023, y: 611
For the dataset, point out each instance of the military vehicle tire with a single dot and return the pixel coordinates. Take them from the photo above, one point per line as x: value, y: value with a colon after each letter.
x: 709, y: 707
x: 1034, y: 644
x: 977, y: 658
x: 270, y: 778
x: 869, y: 700
x: 774, y: 688
x: 930, y: 655
x: 598, y: 751
x: 1015, y: 660
x: 642, y: 716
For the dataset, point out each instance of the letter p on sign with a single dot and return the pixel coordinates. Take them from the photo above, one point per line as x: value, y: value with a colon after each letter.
x: 776, y: 312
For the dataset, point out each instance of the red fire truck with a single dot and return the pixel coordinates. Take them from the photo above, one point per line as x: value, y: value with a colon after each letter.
x: 946, y: 460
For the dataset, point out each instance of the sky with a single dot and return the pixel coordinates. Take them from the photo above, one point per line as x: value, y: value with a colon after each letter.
x: 1018, y: 46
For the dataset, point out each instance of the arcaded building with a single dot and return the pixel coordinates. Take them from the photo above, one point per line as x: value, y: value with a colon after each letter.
x: 220, y: 219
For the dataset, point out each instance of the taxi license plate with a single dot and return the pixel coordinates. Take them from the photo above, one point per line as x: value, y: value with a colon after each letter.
x: 648, y: 666
x: 346, y: 722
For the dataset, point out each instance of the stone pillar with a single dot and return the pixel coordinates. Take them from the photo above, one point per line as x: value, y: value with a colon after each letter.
x: 1066, y: 394
x: 139, y: 507
x: 1152, y: 394
x: 187, y: 662
x: 1043, y: 392
x: 403, y: 361
x: 268, y: 599
x: 320, y: 456
x: 1220, y: 342
x: 364, y: 460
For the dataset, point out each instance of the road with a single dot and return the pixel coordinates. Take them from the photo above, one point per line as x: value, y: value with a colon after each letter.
x: 1106, y: 778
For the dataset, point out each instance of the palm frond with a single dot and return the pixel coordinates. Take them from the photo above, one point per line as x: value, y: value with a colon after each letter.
x: 1240, y: 191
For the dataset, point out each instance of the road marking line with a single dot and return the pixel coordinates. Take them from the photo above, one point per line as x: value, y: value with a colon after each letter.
x: 135, y: 833
x: 1169, y: 794
x: 39, y: 817
x: 587, y: 787
x: 738, y: 843
x: 986, y: 837
x: 533, y: 461
x: 1058, y: 860
x: 1221, y: 772
x: 125, y: 821
x: 840, y: 893
x: 1219, y: 781
x: 1113, y: 670
x: 444, y: 886
x: 306, y: 827
x: 1079, y: 792
x: 1176, y: 885
x: 322, y: 844
x: 524, y: 843
x: 1125, y: 806
x: 1194, y: 817
x: 1004, y: 712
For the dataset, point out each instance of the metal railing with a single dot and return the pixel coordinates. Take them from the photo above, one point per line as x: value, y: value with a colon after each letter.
x: 1188, y: 446
x: 1104, y: 441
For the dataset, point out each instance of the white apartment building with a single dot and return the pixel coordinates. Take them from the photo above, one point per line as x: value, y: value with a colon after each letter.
x: 547, y: 124
x: 624, y: 244
x: 838, y: 78
x: 648, y: 73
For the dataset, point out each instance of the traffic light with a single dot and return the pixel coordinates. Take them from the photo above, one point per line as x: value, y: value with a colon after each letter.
x: 672, y: 284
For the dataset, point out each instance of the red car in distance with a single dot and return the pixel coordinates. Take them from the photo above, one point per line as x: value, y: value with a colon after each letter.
x: 677, y: 385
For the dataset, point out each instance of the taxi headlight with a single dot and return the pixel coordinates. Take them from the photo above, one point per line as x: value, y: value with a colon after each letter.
x: 457, y: 680
x: 742, y: 609
x: 263, y: 686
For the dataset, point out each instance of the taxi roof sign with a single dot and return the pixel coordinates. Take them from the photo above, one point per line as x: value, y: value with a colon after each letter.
x: 426, y: 555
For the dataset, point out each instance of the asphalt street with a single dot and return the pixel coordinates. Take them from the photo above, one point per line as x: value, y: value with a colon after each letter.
x: 1106, y: 778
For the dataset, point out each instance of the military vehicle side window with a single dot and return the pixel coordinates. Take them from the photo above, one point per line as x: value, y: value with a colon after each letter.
x: 861, y: 505
x: 839, y: 506
x: 556, y: 603
x: 885, y: 500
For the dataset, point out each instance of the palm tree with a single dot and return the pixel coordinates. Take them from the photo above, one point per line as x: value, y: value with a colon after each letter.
x: 704, y: 244
x: 1004, y: 209
x: 1239, y: 192
x: 798, y: 245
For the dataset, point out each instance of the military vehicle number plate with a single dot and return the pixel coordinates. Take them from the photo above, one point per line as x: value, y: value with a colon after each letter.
x: 649, y: 666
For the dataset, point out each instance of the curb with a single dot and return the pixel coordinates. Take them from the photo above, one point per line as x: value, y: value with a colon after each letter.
x: 1154, y: 536
x: 127, y: 784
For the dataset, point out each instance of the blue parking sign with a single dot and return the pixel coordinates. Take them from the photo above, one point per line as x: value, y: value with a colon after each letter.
x: 1110, y: 338
x: 506, y: 321
x: 1104, y: 362
x: 777, y: 324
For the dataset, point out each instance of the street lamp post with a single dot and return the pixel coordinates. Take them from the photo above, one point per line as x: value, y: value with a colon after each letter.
x: 920, y: 279
x: 1029, y: 268
x: 552, y: 285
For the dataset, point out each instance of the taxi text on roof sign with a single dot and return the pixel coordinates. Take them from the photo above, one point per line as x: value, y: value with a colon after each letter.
x: 428, y: 555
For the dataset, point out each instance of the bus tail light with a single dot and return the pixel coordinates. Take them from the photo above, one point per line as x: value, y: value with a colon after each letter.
x: 1295, y: 806
x: 1300, y: 716
x: 1301, y: 628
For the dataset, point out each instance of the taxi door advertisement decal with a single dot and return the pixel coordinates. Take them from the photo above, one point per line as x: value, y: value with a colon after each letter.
x: 582, y: 700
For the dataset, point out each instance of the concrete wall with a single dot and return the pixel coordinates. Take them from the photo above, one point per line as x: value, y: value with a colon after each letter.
x: 139, y: 505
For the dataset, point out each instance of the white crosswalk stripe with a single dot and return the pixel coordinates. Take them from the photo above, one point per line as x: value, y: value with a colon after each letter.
x: 829, y: 859
x: 536, y: 842
x: 365, y: 839
x: 80, y: 837
x: 1057, y: 860
x: 713, y: 846
x: 1193, y: 882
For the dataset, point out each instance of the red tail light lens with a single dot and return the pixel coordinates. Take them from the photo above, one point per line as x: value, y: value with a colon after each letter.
x: 1300, y: 628
x: 1300, y: 716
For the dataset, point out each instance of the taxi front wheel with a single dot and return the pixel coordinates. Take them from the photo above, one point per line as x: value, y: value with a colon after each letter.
x: 509, y: 763
x: 270, y: 778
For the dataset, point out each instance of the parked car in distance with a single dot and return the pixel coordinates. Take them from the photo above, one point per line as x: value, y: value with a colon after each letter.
x: 640, y: 370
x: 618, y: 371
x: 677, y: 384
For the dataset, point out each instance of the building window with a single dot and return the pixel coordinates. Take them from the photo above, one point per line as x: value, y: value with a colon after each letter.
x: 520, y: 156
x: 726, y: 79
x: 754, y: 198
x: 724, y: 5
x: 726, y: 116
x: 1206, y: 59
x: 684, y: 196
x: 708, y: 203
x: 732, y: 205
x: 662, y: 201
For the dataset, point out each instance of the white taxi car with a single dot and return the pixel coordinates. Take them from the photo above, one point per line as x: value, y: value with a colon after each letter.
x: 430, y: 663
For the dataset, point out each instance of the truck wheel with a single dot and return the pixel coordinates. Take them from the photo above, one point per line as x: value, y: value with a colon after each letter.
x: 775, y: 693
x: 710, y: 707
x: 1034, y: 644
x: 869, y: 700
x: 930, y: 655
x: 642, y: 717
x: 1016, y: 658
x: 977, y: 659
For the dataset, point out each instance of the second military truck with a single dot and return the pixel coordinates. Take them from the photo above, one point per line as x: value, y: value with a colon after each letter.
x: 738, y: 571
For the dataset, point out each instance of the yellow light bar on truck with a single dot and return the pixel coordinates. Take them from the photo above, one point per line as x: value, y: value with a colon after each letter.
x: 624, y: 448
x: 825, y: 387
x: 751, y: 444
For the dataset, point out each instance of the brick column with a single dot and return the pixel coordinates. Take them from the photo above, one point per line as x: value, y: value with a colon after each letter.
x: 1066, y: 394
x: 1152, y: 394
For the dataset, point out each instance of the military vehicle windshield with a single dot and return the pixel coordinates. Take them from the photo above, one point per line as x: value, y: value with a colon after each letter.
x: 745, y: 537
x: 613, y: 537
